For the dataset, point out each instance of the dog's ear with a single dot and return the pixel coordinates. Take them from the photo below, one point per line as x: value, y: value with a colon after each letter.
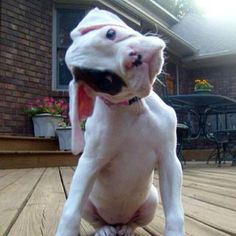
x: 81, y: 107
x: 96, y: 19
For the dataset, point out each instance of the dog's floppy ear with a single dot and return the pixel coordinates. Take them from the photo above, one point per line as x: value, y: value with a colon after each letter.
x: 81, y: 107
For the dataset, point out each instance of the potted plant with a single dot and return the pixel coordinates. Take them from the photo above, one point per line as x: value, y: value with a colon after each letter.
x: 63, y: 132
x: 46, y: 114
x: 202, y: 85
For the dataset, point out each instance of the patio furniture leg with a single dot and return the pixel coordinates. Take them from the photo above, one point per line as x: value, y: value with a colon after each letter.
x: 212, y: 155
x: 180, y: 155
x: 234, y: 160
x: 224, y: 151
x: 218, y: 158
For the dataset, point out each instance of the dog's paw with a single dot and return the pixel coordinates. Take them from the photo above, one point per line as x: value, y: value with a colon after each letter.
x: 106, y: 230
x: 125, y: 230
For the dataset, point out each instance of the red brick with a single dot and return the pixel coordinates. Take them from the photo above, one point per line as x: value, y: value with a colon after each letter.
x: 25, y: 57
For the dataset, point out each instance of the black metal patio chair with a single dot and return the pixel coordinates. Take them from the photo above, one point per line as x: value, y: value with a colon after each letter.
x: 182, y: 135
x: 222, y: 130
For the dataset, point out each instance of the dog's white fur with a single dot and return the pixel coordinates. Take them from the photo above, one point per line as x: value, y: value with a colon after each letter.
x: 112, y: 185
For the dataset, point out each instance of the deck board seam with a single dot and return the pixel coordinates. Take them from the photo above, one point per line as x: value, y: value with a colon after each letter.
x: 207, y: 191
x: 17, y: 179
x: 22, y: 206
x: 62, y: 182
x: 150, y: 231
x: 208, y: 202
x: 210, y: 225
x: 201, y: 181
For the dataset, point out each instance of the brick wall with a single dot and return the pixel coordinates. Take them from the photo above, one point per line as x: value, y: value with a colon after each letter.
x: 223, y: 78
x: 25, y: 60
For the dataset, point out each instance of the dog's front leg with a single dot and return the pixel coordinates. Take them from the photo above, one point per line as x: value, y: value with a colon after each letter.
x: 170, y: 178
x: 81, y: 186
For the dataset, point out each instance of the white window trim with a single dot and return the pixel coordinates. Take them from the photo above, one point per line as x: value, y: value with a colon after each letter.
x: 54, y: 34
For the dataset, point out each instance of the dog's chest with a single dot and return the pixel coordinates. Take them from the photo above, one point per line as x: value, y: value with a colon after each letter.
x: 125, y: 130
x: 133, y: 142
x: 130, y: 170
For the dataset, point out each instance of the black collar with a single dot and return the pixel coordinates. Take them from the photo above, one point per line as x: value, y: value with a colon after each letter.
x: 133, y: 100
x: 125, y: 102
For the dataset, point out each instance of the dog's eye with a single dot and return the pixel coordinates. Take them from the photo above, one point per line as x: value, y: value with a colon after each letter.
x: 111, y: 34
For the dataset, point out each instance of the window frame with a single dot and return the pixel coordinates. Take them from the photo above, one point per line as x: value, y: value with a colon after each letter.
x: 55, y: 79
x: 86, y: 6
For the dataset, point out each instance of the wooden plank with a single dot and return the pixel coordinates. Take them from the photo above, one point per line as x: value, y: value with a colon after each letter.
x: 210, y: 188
x: 210, y: 181
x: 214, y: 187
x: 12, y: 177
x: 14, y: 197
x: 67, y: 174
x: 212, y: 198
x: 218, y: 170
x: 16, y: 143
x: 41, y: 214
x: 193, y: 227
x: 36, y: 159
x: 225, y: 171
x: 213, y: 176
x: 214, y: 216
x: 202, y: 216
x: 86, y: 228
x: 6, y: 172
x: 142, y: 232
x: 196, y: 228
x: 195, y: 223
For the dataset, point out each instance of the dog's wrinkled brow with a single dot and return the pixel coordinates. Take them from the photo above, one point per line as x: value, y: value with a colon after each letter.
x: 104, y: 81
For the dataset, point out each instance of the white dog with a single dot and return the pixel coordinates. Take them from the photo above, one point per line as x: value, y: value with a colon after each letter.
x: 129, y: 133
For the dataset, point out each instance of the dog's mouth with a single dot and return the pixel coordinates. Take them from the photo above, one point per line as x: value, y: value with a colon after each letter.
x: 103, y: 81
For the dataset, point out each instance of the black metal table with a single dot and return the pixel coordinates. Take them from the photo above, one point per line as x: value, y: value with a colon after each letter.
x: 201, y: 105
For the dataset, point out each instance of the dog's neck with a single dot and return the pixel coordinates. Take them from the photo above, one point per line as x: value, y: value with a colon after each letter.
x: 124, y: 102
x: 134, y: 106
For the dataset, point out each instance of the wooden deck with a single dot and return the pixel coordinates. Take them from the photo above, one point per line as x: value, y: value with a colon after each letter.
x: 31, y: 201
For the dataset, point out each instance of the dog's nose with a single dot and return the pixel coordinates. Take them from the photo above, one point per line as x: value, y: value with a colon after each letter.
x: 138, y: 61
x: 132, y: 53
x: 136, y: 58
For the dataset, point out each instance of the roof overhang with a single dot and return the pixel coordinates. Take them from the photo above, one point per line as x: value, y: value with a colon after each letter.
x: 175, y: 44
x: 209, y: 60
x: 149, y: 11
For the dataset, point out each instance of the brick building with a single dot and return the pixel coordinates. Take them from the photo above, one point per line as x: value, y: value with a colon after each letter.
x: 35, y: 35
x: 26, y: 60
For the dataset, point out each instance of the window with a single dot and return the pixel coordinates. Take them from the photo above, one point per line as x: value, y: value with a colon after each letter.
x: 65, y: 20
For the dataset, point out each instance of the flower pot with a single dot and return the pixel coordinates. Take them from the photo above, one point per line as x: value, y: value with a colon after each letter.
x: 203, y: 90
x: 45, y: 124
x: 64, y: 137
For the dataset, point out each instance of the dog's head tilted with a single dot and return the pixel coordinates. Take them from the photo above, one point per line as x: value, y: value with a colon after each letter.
x: 107, y: 58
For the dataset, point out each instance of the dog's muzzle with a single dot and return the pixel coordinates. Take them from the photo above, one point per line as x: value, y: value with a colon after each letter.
x: 103, y: 81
